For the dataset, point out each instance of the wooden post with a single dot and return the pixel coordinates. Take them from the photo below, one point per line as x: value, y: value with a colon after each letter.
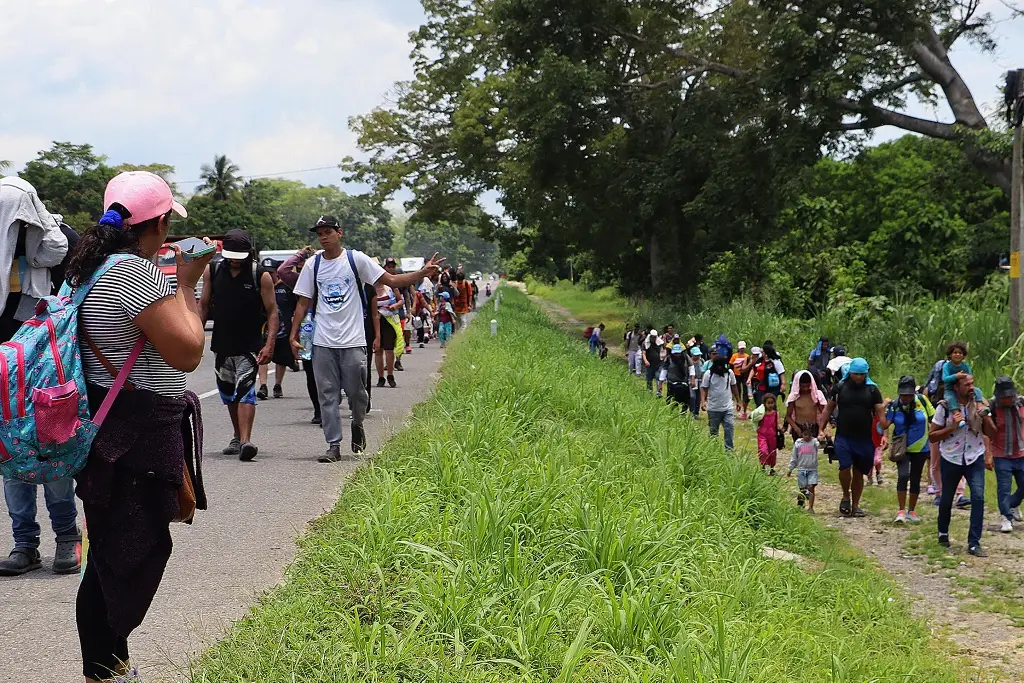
x: 1016, y: 228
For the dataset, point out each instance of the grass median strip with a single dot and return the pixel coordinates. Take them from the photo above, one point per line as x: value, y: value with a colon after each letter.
x: 542, y: 520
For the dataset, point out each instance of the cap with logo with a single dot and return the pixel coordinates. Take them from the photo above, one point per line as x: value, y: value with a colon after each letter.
x: 326, y: 222
x: 237, y: 245
x: 654, y: 333
x: 677, y: 348
x: 1005, y: 387
x: 907, y: 386
x: 695, y: 351
x: 756, y: 351
x: 742, y: 345
x: 145, y: 195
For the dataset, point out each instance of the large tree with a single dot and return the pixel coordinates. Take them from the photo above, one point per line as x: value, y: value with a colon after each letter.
x: 652, y: 135
x: 71, y: 180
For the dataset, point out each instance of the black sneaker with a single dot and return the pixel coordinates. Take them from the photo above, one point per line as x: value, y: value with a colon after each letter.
x: 333, y: 454
x: 977, y: 551
x: 68, y: 558
x: 21, y: 561
x: 944, y: 540
x: 380, y: 381
x: 234, y: 448
x: 391, y: 381
x: 358, y: 439
x: 398, y: 365
x: 247, y: 452
x: 278, y: 393
x: 262, y: 393
x: 316, y: 420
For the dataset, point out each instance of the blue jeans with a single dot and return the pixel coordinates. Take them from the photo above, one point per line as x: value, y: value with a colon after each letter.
x: 1009, y: 470
x: 593, y: 345
x: 975, y: 475
x: 721, y: 417
x: 21, y: 504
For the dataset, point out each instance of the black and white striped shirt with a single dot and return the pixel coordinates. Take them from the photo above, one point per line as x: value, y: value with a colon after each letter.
x: 108, y: 315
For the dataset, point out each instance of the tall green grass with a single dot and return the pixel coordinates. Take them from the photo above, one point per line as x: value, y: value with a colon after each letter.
x: 901, y: 338
x: 541, y: 519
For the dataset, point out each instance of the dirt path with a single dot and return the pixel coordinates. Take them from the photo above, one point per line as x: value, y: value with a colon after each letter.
x: 977, y: 604
x: 942, y: 588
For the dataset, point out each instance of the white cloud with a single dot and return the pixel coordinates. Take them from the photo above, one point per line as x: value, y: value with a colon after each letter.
x: 270, y: 84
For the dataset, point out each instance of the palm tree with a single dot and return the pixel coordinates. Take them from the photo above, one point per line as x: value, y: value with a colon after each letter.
x: 4, y: 165
x: 221, y: 180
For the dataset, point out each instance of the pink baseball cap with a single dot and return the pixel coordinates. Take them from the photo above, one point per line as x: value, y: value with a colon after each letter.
x: 146, y: 195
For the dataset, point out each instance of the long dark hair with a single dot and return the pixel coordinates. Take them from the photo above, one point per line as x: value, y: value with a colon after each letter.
x: 769, y: 351
x: 103, y: 239
x: 720, y: 366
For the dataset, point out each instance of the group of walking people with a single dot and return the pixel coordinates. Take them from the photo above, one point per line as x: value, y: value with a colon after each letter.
x: 138, y: 337
x: 942, y: 429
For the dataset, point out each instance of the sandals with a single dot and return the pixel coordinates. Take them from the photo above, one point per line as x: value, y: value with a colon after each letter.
x: 857, y: 512
x: 844, y: 508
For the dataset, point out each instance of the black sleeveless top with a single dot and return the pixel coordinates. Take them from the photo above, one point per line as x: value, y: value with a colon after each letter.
x: 238, y: 315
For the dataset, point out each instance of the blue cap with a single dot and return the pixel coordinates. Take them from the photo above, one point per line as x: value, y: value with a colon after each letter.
x: 695, y: 351
x: 677, y: 348
x: 859, y: 366
x: 446, y: 295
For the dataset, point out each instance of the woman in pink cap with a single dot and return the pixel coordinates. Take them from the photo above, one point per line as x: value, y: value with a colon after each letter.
x: 129, y: 487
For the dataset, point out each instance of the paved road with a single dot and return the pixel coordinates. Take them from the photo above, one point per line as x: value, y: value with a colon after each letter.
x: 234, y: 551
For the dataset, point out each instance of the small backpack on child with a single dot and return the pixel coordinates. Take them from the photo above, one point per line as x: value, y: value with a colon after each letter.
x: 46, y: 430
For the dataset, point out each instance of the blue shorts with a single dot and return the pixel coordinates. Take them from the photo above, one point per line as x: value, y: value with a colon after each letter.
x: 236, y: 378
x: 856, y: 453
x: 805, y: 478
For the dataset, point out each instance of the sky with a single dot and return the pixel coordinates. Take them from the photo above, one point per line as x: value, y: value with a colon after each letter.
x: 269, y: 83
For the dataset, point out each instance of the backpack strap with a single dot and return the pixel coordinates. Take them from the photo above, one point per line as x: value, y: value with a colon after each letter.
x: 119, y: 381
x: 359, y: 281
x: 316, y: 286
x: 107, y: 365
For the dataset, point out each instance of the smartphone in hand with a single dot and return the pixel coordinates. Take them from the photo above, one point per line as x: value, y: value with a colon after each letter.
x: 193, y: 248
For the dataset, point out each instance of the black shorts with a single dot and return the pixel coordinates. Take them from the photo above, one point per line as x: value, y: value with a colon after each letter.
x: 388, y: 337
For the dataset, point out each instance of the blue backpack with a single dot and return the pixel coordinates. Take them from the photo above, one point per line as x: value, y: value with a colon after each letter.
x: 46, y: 431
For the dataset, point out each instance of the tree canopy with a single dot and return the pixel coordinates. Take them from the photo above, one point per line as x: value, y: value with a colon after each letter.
x: 650, y: 139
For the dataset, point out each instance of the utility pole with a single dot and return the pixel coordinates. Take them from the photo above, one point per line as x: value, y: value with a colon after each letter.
x: 1014, y: 96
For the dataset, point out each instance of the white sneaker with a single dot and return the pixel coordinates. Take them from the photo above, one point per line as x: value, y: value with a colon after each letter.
x: 1017, y: 517
x: 901, y: 517
x: 1007, y: 526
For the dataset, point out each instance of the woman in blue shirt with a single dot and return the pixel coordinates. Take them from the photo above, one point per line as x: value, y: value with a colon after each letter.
x: 910, y: 415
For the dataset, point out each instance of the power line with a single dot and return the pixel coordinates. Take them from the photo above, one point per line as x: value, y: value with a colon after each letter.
x: 263, y: 175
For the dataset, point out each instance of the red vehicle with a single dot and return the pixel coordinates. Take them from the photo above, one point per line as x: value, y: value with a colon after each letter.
x: 167, y: 264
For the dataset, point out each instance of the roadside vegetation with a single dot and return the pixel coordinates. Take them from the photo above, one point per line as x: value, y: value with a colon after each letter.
x: 541, y: 519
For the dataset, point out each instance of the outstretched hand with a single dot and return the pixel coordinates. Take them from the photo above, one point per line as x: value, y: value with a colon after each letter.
x: 433, y: 266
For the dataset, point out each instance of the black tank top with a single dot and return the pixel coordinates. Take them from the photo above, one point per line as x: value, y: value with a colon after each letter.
x: 238, y: 315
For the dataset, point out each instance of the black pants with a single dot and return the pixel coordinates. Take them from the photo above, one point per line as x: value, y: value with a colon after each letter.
x: 103, y: 651
x: 652, y: 374
x: 314, y: 397
x: 421, y: 334
x: 680, y: 393
x: 909, y: 471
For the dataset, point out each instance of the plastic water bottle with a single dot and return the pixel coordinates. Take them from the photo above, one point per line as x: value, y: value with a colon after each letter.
x: 306, y: 338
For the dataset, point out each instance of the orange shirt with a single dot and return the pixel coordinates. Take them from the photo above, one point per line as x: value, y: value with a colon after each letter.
x: 462, y: 300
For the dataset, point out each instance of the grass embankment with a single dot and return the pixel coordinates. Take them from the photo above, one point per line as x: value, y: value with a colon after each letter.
x: 976, y: 317
x: 541, y: 519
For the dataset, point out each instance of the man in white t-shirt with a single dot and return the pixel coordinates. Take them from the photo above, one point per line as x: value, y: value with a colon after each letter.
x: 328, y: 284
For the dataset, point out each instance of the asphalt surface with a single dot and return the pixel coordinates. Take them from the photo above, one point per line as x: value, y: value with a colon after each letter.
x: 234, y: 552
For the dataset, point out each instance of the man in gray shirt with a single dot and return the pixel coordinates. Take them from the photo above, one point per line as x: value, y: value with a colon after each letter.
x: 716, y: 398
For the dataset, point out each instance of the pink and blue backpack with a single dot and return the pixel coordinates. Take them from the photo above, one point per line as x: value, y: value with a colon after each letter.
x: 45, y: 427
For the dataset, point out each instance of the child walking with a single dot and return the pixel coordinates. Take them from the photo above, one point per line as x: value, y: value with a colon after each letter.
x: 445, y: 319
x: 881, y: 442
x: 767, y: 420
x: 805, y: 462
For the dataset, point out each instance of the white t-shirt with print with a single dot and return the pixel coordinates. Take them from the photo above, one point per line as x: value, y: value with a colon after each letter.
x: 963, y: 446
x: 339, y: 312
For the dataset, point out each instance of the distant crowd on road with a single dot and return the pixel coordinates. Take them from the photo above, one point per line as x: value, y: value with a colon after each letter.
x: 942, y: 429
x: 97, y: 346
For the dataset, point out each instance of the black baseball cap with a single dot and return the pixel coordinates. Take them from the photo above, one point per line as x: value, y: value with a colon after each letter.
x: 271, y: 263
x: 326, y: 222
x: 237, y: 245
x: 390, y: 261
x: 907, y: 386
x: 1005, y: 387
